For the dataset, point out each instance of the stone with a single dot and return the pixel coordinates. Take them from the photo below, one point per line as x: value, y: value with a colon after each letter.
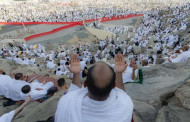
x: 39, y: 111
x: 159, y: 60
x: 178, y: 114
x: 144, y: 111
x: 183, y: 93
x: 162, y: 115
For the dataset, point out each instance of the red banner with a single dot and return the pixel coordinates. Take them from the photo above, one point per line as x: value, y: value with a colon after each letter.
x: 50, y: 32
x: 73, y: 24
x: 35, y: 23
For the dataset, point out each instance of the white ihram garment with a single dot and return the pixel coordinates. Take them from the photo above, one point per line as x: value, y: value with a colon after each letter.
x: 7, y: 117
x: 76, y: 106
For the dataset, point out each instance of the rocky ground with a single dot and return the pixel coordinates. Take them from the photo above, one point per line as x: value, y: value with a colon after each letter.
x: 163, y: 97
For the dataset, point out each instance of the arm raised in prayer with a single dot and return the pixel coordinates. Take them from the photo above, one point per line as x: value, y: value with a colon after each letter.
x: 23, y: 105
x: 120, y: 67
x: 75, y: 68
x: 133, y: 73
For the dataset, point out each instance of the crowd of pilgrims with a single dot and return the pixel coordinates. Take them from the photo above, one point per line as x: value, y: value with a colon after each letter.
x: 47, y: 12
x: 58, y: 12
x: 154, y: 27
x: 160, y: 28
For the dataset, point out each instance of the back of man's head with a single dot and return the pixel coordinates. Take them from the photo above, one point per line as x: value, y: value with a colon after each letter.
x: 26, y: 89
x: 52, y: 90
x: 2, y: 72
x: 61, y: 82
x: 185, y: 48
x: 144, y: 62
x: 18, y: 76
x: 100, y: 80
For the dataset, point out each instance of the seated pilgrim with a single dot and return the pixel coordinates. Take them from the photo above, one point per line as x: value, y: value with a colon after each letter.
x: 102, y: 99
x: 183, y: 57
x: 62, y: 84
x: 131, y: 72
x: 50, y: 64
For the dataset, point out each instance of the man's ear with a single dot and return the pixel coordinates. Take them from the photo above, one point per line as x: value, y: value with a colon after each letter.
x: 65, y: 86
x: 85, y: 83
x: 114, y: 85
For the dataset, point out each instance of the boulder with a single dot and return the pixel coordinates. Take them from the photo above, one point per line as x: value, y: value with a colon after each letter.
x: 159, y: 60
x: 144, y: 112
x: 183, y: 93
x: 158, y: 80
x: 162, y: 115
x: 177, y: 113
x: 177, y: 109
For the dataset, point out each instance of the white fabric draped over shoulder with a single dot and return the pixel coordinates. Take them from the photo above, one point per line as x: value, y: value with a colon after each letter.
x: 38, y: 94
x: 4, y: 81
x: 182, y: 58
x: 14, y: 90
x: 76, y: 106
x: 7, y: 117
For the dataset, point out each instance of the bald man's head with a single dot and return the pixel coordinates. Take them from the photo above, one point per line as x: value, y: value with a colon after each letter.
x: 100, y: 80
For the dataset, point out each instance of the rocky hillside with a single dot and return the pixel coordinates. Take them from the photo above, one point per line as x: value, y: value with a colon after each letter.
x: 163, y: 97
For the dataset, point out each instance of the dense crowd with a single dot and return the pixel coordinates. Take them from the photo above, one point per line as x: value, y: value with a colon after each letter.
x: 46, y: 12
x: 57, y: 11
x: 156, y: 36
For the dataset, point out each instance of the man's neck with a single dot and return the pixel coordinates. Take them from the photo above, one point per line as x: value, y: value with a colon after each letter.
x: 63, y: 88
x: 96, y: 98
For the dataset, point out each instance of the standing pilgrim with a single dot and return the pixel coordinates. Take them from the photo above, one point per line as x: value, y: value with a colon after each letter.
x: 99, y: 100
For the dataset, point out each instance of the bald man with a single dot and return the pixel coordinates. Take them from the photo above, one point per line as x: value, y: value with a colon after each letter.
x: 99, y: 100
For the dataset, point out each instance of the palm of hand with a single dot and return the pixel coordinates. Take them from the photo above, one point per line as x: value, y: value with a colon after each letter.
x: 120, y: 67
x: 75, y: 65
x: 75, y: 68
x: 135, y: 67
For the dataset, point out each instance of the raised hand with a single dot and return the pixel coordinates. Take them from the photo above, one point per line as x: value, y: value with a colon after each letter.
x: 120, y: 65
x: 75, y: 67
x: 135, y: 66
